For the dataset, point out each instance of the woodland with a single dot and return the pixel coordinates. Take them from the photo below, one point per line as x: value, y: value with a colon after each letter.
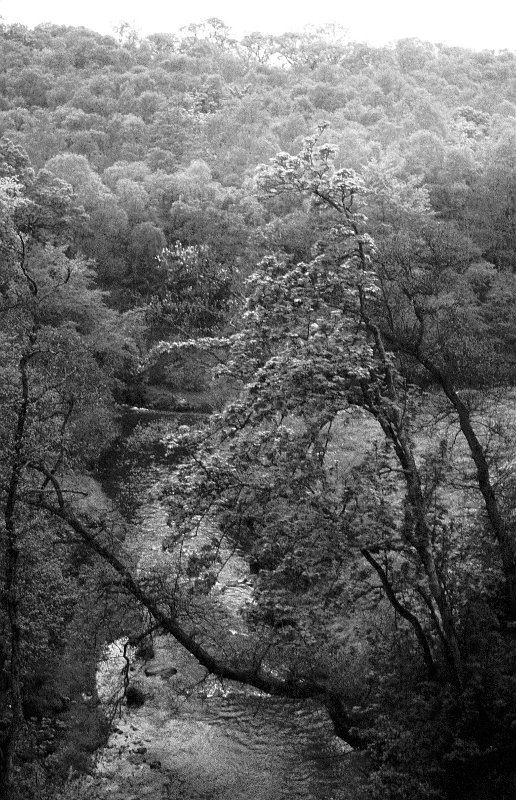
x: 315, y: 238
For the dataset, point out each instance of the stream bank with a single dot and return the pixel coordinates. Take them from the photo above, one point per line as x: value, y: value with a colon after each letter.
x: 195, y: 738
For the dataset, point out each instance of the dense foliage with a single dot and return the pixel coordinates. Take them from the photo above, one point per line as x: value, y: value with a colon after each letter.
x: 359, y: 300
x: 159, y: 137
x: 62, y: 349
x: 377, y: 515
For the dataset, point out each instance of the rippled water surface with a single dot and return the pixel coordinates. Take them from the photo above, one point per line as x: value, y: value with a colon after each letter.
x: 196, y: 738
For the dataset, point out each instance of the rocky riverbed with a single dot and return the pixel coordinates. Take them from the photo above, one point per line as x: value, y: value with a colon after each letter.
x: 194, y: 738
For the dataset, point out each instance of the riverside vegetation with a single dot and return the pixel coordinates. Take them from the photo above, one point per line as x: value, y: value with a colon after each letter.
x: 350, y: 310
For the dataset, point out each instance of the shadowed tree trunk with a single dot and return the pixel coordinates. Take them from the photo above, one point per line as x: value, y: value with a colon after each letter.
x: 11, y: 585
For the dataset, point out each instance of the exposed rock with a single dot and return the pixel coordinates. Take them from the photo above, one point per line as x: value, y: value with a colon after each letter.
x: 161, y: 672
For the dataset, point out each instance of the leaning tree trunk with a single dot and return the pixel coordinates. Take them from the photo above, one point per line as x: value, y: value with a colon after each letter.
x: 385, y: 409
x: 253, y: 675
x: 505, y: 540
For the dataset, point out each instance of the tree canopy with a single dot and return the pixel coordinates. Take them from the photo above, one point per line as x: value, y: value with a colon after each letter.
x: 332, y: 224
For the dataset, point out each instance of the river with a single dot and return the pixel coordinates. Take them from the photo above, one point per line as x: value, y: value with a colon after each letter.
x: 196, y: 739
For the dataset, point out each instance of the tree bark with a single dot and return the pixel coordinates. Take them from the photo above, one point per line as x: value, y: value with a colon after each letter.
x: 11, y: 585
x: 403, y: 612
x: 505, y: 540
x: 418, y: 535
x: 254, y: 676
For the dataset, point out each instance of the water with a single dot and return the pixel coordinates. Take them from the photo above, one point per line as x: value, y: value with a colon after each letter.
x: 202, y: 739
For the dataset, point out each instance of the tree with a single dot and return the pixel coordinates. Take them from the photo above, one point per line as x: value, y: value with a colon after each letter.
x: 417, y: 313
x: 335, y: 544
x: 424, y: 315
x: 423, y: 274
x: 61, y: 348
x: 366, y: 578
x: 258, y: 47
x: 249, y: 668
x: 313, y: 47
x: 195, y: 294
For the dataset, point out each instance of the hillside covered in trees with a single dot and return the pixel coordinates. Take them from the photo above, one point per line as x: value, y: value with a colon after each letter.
x: 334, y: 225
x: 160, y: 138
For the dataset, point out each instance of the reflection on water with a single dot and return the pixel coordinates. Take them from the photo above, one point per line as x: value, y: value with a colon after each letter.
x: 211, y: 741
x: 288, y: 750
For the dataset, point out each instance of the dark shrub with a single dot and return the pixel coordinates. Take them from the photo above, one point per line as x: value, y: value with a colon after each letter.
x: 134, y: 696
